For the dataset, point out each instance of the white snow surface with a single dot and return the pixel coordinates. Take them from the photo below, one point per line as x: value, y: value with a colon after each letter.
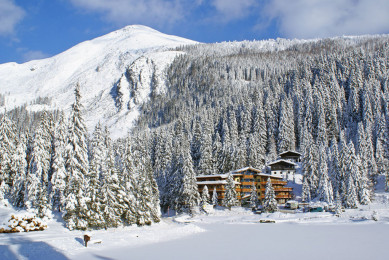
x: 220, y: 234
x: 98, y: 66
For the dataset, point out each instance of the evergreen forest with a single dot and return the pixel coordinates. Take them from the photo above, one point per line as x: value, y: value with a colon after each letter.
x: 227, y: 106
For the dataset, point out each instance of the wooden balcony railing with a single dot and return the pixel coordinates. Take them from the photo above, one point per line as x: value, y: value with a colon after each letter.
x: 284, y: 189
x: 247, y: 183
x: 278, y: 189
x: 246, y: 190
x: 274, y: 182
x: 284, y: 196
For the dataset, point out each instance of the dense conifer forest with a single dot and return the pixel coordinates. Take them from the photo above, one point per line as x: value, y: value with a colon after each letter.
x: 227, y: 106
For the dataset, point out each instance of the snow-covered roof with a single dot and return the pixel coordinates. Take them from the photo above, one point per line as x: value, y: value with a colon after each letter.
x: 245, y: 169
x: 269, y: 175
x: 294, y: 152
x: 214, y: 182
x: 223, y: 176
x: 211, y: 182
x: 282, y: 160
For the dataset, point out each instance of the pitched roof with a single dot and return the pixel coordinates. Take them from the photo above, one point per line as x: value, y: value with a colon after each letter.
x: 292, y: 152
x: 282, y: 161
x: 214, y: 182
x: 239, y: 171
x: 245, y: 169
x: 223, y: 176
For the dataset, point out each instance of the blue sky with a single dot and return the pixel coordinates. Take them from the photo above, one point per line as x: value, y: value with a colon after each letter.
x: 34, y: 29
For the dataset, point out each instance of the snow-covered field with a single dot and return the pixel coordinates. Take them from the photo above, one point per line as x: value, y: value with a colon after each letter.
x: 222, y: 234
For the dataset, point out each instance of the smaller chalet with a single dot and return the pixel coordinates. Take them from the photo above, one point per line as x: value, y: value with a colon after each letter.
x: 282, y: 168
x: 291, y: 156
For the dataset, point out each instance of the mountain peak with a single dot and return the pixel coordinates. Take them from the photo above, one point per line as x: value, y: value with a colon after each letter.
x: 97, y: 65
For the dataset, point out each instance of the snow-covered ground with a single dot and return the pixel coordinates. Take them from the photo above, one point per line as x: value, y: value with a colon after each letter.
x: 222, y: 234
x: 57, y: 242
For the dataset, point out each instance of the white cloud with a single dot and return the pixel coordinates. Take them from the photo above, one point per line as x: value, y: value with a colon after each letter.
x: 34, y: 55
x: 123, y: 12
x: 230, y: 10
x: 323, y: 18
x: 167, y: 12
x: 10, y: 15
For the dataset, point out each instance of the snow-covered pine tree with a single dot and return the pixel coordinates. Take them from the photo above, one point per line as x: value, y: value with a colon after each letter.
x: 109, y: 197
x: 19, y: 165
x: 382, y: 162
x: 333, y: 168
x: 350, y: 198
x: 205, y: 196
x: 324, y: 192
x: 163, y: 164
x: 310, y: 165
x: 196, y: 144
x: 206, y: 163
x: 306, y: 194
x: 7, y: 148
x: 367, y: 165
x: 129, y: 186
x: 253, y: 158
x: 272, y: 149
x: 138, y: 194
x: 226, y: 160
x: 97, y: 168
x: 253, y: 197
x: 320, y: 131
x: 76, y: 164
x: 382, y: 147
x: 230, y: 196
x: 338, y: 205
x: 162, y: 155
x: 59, y: 177
x: 270, y: 202
x: 215, y: 201
x: 42, y: 203
x: 240, y: 153
x: 217, y: 152
x: 232, y: 126
x: 42, y: 149
x: 356, y: 171
x: 39, y: 164
x: 286, y: 136
x: 172, y: 176
x: 343, y: 162
x: 155, y: 201
x: 187, y: 196
x: 259, y: 134
x: 147, y: 195
x: 333, y: 125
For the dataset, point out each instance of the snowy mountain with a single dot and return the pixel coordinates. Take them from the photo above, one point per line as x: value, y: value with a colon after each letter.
x: 116, y: 73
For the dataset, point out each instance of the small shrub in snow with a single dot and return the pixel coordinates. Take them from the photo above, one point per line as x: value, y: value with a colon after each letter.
x: 374, y: 216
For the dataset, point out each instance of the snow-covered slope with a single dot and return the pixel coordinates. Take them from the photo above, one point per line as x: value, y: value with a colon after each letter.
x: 116, y: 72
